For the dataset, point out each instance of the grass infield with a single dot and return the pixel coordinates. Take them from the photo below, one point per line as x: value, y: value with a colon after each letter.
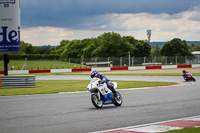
x: 186, y: 130
x: 55, y: 86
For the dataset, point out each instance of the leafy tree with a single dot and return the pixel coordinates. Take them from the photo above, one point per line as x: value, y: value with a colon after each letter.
x: 155, y: 51
x: 43, y: 50
x: 59, y: 49
x: 176, y: 47
x: 194, y: 47
x: 73, y: 49
x: 141, y: 48
x: 88, y: 51
x: 27, y: 48
x: 106, y: 45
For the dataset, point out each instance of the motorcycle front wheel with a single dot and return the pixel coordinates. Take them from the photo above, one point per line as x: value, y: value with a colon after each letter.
x: 118, y: 99
x: 96, y: 102
x: 194, y: 79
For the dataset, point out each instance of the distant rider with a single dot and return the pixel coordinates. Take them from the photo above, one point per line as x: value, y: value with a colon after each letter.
x: 185, y: 73
x: 109, y: 84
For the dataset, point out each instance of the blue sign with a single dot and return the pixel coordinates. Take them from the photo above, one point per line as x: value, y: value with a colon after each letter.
x: 10, y: 40
x: 9, y: 26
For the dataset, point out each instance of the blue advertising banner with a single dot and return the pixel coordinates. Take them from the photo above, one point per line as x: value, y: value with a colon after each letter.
x: 9, y: 26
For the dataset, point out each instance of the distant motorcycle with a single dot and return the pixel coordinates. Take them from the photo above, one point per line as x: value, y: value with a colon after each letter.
x: 101, y: 95
x: 188, y: 76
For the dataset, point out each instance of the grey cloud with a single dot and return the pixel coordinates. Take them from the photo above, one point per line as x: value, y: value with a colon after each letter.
x: 76, y: 14
x: 195, y: 18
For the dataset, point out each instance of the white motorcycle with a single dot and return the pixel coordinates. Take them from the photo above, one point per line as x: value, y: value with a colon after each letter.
x: 101, y: 94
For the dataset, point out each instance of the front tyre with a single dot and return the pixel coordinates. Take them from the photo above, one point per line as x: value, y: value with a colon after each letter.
x: 194, y: 79
x: 118, y: 99
x: 96, y: 102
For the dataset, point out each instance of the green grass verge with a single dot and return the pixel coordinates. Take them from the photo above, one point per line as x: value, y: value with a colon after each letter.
x: 186, y: 130
x: 39, y: 65
x: 55, y: 86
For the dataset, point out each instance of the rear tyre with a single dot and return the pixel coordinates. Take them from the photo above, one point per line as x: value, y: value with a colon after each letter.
x: 96, y: 102
x: 118, y: 99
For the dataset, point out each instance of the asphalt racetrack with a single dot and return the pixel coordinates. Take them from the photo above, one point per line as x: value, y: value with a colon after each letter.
x: 74, y: 112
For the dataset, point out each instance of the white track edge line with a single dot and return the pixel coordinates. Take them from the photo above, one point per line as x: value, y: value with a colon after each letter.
x: 143, y: 125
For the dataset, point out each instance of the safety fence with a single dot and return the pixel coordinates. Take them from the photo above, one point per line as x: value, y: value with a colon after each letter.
x: 72, y: 63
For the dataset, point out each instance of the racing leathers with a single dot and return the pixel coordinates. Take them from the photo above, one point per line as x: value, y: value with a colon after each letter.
x: 107, y: 81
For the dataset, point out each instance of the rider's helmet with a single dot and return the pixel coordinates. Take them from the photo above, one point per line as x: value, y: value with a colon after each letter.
x: 94, y: 73
x: 184, y: 71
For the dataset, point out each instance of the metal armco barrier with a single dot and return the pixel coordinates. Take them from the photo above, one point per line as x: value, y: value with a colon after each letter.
x: 17, y: 81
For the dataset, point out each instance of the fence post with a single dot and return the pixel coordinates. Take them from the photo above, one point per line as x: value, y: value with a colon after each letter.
x: 129, y: 59
x: 185, y: 59
x: 41, y: 64
x: 121, y: 61
x: 25, y: 63
x: 132, y: 61
x: 54, y: 63
x: 108, y: 61
x: 82, y: 62
x: 69, y: 63
x: 166, y: 60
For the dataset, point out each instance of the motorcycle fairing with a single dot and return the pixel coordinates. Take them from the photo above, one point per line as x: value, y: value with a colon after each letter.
x: 107, y: 98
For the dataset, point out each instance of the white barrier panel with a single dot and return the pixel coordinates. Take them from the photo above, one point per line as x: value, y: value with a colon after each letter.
x: 136, y: 68
x: 60, y: 70
x: 19, y: 72
x: 169, y: 66
x: 102, y: 69
x: 195, y: 65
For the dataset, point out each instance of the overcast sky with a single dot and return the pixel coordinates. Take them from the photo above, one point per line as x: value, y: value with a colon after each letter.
x: 46, y: 22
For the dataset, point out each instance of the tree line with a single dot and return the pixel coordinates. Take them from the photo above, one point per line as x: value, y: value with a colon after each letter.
x: 112, y: 45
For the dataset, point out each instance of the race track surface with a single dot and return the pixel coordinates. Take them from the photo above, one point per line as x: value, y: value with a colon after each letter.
x: 74, y: 112
x: 134, y: 78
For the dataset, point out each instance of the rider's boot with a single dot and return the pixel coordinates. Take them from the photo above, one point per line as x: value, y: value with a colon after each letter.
x: 114, y: 92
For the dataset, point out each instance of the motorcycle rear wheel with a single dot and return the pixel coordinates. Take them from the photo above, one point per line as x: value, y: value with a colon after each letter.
x: 96, y: 102
x: 118, y: 99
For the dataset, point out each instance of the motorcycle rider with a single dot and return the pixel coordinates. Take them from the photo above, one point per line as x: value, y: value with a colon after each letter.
x: 188, y: 76
x: 184, y: 74
x: 94, y: 73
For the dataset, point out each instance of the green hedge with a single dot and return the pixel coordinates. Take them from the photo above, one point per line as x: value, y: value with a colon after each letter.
x: 32, y: 56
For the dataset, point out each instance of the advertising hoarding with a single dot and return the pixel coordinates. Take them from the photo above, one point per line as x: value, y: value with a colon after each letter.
x: 9, y: 26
